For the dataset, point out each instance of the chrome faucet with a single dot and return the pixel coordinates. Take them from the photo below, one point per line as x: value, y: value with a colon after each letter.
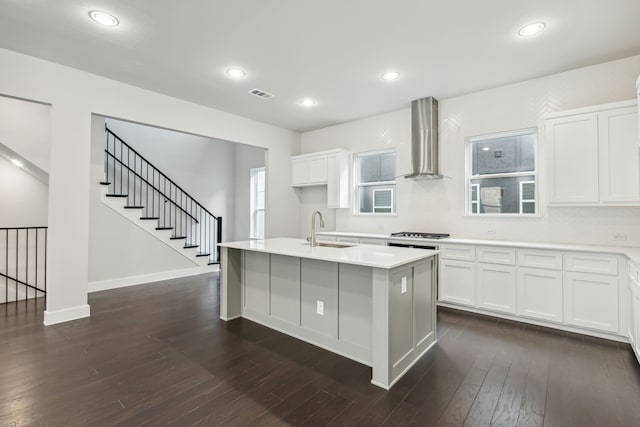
x: 312, y: 239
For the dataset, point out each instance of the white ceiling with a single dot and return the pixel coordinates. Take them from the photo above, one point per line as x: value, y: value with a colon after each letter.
x: 331, y: 50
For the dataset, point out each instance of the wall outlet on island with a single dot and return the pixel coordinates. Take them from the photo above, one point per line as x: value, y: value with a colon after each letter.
x: 619, y: 237
x: 320, y: 308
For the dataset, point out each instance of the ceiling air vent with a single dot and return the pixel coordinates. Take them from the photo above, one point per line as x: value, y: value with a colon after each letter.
x: 261, y: 94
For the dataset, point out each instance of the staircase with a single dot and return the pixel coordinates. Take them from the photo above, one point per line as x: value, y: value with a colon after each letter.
x: 146, y: 196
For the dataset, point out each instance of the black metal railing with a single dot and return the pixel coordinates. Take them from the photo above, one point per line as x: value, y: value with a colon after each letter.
x: 128, y: 174
x: 23, y: 263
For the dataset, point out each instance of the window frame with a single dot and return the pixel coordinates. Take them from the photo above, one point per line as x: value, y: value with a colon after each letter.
x: 469, y: 177
x: 253, y: 210
x: 357, y: 184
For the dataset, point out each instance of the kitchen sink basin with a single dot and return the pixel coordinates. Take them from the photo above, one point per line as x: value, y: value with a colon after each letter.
x: 333, y: 245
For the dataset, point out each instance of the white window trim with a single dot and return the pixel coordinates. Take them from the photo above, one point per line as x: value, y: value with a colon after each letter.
x: 253, y: 210
x: 476, y: 202
x: 357, y: 185
x: 469, y: 176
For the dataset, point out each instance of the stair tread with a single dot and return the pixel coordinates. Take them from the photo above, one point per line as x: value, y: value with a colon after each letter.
x: 117, y: 195
x: 134, y: 207
x: 177, y: 237
x: 189, y: 246
x: 203, y: 254
x: 105, y: 183
x: 213, y: 262
x: 164, y: 228
x: 149, y: 217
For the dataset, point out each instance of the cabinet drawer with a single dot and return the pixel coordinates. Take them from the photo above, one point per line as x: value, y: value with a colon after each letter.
x: 540, y: 259
x: 348, y: 240
x: 379, y: 242
x: 505, y: 256
x: 459, y: 252
x: 586, y: 263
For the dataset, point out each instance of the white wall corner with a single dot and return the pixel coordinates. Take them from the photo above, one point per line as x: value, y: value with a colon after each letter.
x: 66, y: 315
x: 103, y: 285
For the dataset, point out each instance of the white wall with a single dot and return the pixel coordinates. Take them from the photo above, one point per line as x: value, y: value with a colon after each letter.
x: 246, y: 158
x: 74, y: 95
x: 24, y: 198
x: 25, y: 127
x: 203, y: 167
x: 438, y: 206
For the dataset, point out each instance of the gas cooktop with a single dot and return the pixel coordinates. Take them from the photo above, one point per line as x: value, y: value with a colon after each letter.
x: 417, y: 235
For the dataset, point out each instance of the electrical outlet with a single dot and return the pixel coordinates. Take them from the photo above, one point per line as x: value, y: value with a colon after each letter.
x: 403, y: 285
x: 620, y: 237
x: 320, y: 308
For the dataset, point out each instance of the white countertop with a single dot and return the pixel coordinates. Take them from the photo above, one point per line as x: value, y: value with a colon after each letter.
x: 386, y: 257
x: 633, y: 253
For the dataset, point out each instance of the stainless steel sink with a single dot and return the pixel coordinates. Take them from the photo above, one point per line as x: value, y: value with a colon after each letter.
x: 332, y: 245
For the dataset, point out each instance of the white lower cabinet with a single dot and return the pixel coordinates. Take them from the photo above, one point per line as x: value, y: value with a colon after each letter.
x: 591, y: 301
x: 457, y: 282
x: 496, y: 287
x: 539, y: 294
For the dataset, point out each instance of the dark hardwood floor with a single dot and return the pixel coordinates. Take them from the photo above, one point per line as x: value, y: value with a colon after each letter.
x: 158, y: 355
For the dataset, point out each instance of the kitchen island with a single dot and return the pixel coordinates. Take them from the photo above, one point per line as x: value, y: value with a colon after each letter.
x: 373, y: 304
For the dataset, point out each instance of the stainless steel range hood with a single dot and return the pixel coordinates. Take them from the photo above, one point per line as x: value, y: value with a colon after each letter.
x: 424, y: 139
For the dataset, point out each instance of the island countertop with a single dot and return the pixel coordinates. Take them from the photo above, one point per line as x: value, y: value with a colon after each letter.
x: 385, y: 257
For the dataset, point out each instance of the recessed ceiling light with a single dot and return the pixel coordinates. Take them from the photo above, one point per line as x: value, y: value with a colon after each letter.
x: 531, y: 29
x: 104, y: 18
x: 18, y: 163
x: 485, y: 148
x: 307, y: 102
x: 391, y: 75
x: 236, y: 73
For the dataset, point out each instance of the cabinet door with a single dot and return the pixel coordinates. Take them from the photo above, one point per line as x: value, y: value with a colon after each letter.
x: 299, y: 171
x: 619, y: 155
x: 539, y: 294
x: 496, y: 287
x: 337, y: 181
x: 573, y: 158
x: 318, y: 169
x: 591, y: 301
x: 457, y: 282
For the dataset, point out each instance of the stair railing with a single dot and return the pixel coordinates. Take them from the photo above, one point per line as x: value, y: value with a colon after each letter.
x: 128, y: 174
x: 23, y: 264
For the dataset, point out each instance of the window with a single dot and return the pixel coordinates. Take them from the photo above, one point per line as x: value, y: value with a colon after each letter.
x: 502, y: 174
x: 375, y: 182
x: 256, y: 183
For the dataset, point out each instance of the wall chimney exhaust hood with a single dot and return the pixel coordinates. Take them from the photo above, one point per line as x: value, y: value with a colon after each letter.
x: 424, y: 139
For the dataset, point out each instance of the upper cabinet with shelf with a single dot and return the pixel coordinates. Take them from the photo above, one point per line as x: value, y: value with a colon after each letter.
x: 330, y: 168
x: 594, y: 155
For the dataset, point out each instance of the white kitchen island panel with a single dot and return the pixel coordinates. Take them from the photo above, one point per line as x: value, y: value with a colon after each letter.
x: 383, y: 316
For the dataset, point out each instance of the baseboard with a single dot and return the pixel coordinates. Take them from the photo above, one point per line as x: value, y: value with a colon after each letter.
x: 122, y: 282
x: 60, y: 316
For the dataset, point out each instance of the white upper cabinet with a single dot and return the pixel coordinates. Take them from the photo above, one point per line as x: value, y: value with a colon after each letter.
x: 309, y: 170
x: 338, y: 180
x: 330, y: 168
x: 620, y: 155
x: 593, y: 155
x: 573, y: 158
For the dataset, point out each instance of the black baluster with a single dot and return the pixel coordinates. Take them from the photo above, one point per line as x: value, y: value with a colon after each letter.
x: 26, y: 280
x: 37, y: 231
